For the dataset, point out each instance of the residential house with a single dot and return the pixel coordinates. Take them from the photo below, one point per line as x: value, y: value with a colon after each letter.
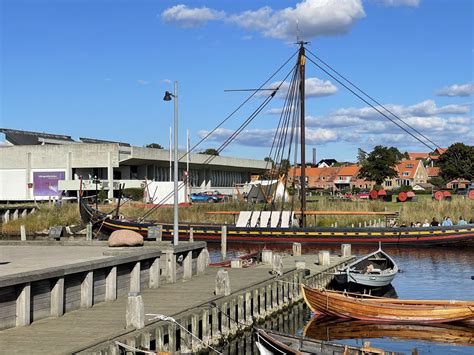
x: 410, y: 173
x: 346, y: 175
x: 326, y: 163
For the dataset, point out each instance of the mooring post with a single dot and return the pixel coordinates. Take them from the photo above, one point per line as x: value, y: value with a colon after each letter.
x: 186, y: 342
x: 191, y: 234
x: 224, y: 320
x: 296, y: 249
x: 196, y: 344
x: 202, y: 261
x: 15, y: 215
x: 215, y: 324
x: 345, y: 250
x: 240, y: 308
x: 135, y: 278
x: 154, y: 281
x: 324, y: 258
x: 248, y: 308
x: 224, y: 242
x: 206, y: 329
x: 57, y: 298
x: 233, y: 315
x: 188, y: 266
x: 261, y: 302
x: 172, y: 338
x: 159, y: 339
x: 267, y: 257
x: 22, y: 233
x: 89, y: 231
x: 222, y: 283
x: 277, y: 265
x: 135, y: 313
x: 23, y: 305
x: 111, y: 284
x: 170, y: 270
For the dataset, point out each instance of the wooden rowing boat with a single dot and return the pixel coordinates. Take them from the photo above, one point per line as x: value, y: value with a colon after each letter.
x: 339, y: 304
x: 376, y: 269
x: 270, y: 342
x: 330, y: 329
x: 248, y: 260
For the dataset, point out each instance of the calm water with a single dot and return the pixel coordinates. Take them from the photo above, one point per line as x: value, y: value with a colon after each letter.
x: 441, y: 273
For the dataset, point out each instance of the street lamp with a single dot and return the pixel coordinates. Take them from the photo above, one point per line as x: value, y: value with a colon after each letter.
x: 168, y: 96
x: 96, y: 181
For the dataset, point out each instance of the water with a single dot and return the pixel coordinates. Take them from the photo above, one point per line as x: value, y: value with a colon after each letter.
x: 429, y: 273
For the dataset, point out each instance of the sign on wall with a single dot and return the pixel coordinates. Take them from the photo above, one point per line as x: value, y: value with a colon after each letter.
x: 45, y: 183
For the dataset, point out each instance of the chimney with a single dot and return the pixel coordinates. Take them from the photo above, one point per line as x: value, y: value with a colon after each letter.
x: 314, y: 156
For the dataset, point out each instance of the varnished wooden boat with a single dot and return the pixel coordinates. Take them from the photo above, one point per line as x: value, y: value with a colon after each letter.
x: 270, y: 342
x: 339, y: 304
x: 330, y: 329
x: 211, y: 233
x: 248, y: 260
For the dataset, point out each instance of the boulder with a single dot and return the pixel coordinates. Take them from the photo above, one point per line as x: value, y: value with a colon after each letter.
x: 125, y: 238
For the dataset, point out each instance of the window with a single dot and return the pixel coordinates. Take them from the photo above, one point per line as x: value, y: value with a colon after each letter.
x: 409, y: 166
x: 406, y: 173
x: 388, y: 183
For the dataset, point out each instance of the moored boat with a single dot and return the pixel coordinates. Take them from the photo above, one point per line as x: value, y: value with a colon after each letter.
x: 376, y: 269
x: 343, y: 305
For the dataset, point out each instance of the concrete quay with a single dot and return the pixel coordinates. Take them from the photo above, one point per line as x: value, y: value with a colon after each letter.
x: 184, y: 291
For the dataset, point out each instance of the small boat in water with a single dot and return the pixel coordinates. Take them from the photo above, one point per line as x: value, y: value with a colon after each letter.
x: 332, y: 329
x: 381, y: 309
x: 270, y: 342
x: 377, y: 269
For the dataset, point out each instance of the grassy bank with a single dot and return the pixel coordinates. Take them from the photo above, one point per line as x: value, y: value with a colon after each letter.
x: 68, y: 214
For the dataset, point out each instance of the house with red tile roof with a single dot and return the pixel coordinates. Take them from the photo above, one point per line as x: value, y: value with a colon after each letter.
x: 410, y: 173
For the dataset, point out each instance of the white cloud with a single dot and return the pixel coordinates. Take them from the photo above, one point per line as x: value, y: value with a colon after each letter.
x: 456, y: 90
x: 143, y: 82
x: 315, y: 18
x: 314, y: 87
x: 414, y: 3
x: 167, y: 81
x: 187, y: 17
x: 264, y: 137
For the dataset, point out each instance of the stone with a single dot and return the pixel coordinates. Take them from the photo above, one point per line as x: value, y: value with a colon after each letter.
x: 125, y: 238
x: 222, y: 283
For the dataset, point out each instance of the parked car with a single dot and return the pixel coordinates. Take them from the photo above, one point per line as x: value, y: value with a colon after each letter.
x: 363, y: 195
x: 208, y: 196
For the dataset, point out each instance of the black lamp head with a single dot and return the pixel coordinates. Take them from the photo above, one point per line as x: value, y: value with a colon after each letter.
x: 168, y: 96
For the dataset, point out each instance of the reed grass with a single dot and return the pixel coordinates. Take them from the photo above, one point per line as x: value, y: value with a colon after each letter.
x: 68, y: 214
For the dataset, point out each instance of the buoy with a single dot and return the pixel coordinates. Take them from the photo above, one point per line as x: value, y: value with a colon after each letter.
x: 402, y: 196
x: 438, y: 195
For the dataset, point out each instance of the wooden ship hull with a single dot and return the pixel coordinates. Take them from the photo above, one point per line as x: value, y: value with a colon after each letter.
x: 337, y: 329
x: 375, y: 270
x: 455, y: 235
x: 338, y: 304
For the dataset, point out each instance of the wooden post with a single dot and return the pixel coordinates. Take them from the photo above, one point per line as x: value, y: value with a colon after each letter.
x: 206, y: 329
x: 111, y: 284
x: 240, y: 307
x: 170, y: 267
x: 6, y: 217
x: 277, y: 264
x: 202, y: 261
x: 22, y: 233
x: 224, y: 242
x: 248, y: 307
x: 186, y: 344
x: 261, y: 310
x: 255, y: 297
x: 23, y: 304
x: 215, y: 323
x: 267, y: 257
x: 57, y: 298
x: 195, y: 330
x: 222, y: 283
x: 188, y: 266
x: 155, y: 274
x: 274, y: 295
x: 172, y: 338
x: 89, y: 231
x: 135, y: 278
x: 268, y: 299
x: 87, y: 287
x: 232, y: 314
x: 324, y: 258
x: 15, y: 215
x: 345, y: 250
x: 191, y: 234
x: 159, y: 337
x: 135, y: 313
x: 224, y: 320
x: 296, y: 249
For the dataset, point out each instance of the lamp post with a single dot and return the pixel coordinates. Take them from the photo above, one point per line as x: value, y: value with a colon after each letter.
x: 168, y: 97
x: 96, y: 181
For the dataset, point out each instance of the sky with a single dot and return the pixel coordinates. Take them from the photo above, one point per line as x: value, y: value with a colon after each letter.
x: 99, y: 69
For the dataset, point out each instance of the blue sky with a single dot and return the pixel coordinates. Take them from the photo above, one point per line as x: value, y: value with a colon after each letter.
x: 99, y: 69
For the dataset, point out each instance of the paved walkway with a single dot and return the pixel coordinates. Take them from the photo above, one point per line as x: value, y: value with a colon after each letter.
x: 83, y: 327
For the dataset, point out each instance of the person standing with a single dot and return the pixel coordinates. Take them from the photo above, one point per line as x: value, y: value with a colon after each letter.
x: 434, y: 222
x: 461, y: 221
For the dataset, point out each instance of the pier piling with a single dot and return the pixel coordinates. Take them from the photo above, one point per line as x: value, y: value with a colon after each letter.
x: 345, y: 250
x: 135, y: 313
x: 223, y: 242
x: 222, y: 283
x: 324, y: 258
x: 23, y: 232
x: 296, y: 249
x: 267, y: 257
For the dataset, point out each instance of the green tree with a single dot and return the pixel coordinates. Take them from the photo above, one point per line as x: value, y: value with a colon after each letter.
x: 154, y: 145
x: 210, y: 151
x: 361, y: 156
x: 283, y: 167
x: 438, y: 182
x: 457, y: 162
x: 380, y: 164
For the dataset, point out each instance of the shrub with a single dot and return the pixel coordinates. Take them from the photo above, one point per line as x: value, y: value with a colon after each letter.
x: 135, y: 193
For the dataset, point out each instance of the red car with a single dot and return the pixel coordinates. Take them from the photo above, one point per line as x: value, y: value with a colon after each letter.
x: 363, y: 195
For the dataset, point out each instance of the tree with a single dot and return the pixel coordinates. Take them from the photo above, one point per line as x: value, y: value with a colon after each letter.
x: 154, y: 145
x: 380, y: 164
x: 268, y: 160
x: 361, y: 156
x: 210, y: 151
x: 457, y: 162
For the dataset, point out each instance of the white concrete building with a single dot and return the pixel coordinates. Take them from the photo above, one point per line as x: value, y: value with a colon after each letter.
x: 40, y: 166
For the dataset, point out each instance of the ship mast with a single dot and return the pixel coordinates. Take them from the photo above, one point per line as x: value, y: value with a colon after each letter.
x: 301, y: 63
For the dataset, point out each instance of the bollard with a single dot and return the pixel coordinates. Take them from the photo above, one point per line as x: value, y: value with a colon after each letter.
x: 296, y: 249
x: 89, y: 231
x: 222, y: 283
x: 223, y: 242
x: 191, y: 234
x: 365, y: 224
x: 335, y: 224
x: 267, y: 257
x: 22, y: 232
x: 345, y: 250
x: 300, y: 264
x: 277, y: 265
x: 352, y: 225
x: 236, y: 264
x: 135, y: 313
x: 324, y: 258
x: 360, y: 225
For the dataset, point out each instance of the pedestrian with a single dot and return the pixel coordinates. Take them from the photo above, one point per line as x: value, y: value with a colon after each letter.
x: 461, y: 221
x: 425, y: 223
x: 447, y: 222
x: 434, y: 222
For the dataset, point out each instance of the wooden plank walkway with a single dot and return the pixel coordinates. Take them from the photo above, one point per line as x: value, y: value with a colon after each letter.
x: 84, y: 327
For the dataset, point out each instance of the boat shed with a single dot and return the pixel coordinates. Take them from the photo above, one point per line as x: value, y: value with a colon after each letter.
x: 41, y: 166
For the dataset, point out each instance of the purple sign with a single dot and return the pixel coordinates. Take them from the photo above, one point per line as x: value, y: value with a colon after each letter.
x: 45, y: 183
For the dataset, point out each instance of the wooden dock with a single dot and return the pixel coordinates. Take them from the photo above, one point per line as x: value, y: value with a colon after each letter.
x: 256, y: 292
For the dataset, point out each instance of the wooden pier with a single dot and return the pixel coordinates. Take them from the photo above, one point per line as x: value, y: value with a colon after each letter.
x: 92, y: 321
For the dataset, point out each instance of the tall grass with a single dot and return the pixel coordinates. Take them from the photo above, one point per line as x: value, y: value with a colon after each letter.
x: 68, y: 214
